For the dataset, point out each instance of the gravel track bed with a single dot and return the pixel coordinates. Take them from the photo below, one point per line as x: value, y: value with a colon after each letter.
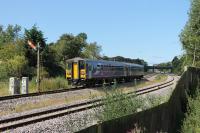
x: 65, y: 124
x: 39, y: 110
x: 9, y: 105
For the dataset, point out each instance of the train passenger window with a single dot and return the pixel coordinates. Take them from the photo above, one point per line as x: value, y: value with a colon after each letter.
x: 101, y: 67
x: 89, y: 67
x: 98, y: 67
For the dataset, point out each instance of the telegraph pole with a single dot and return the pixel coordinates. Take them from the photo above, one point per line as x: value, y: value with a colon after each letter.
x: 38, y: 67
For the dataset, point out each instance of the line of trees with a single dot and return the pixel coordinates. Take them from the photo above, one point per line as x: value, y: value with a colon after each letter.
x: 123, y: 59
x: 18, y: 59
x: 190, y: 36
x: 190, y: 41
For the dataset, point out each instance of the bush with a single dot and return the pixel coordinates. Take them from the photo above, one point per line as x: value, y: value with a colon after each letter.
x: 54, y: 83
x: 117, y: 104
x: 3, y: 72
x: 49, y: 84
x: 191, y: 123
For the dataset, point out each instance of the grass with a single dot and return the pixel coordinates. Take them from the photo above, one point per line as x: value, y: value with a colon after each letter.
x: 4, y: 88
x: 49, y: 84
x: 46, y: 85
x: 191, y: 123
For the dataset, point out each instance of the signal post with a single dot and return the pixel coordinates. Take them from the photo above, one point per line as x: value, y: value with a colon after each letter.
x: 38, y: 67
x: 32, y: 45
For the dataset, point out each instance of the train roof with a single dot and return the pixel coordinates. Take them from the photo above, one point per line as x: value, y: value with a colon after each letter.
x: 104, y: 61
x: 75, y: 59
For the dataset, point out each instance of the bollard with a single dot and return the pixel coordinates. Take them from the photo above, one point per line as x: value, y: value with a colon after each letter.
x: 135, y: 81
x: 14, y: 86
x: 25, y: 85
x: 115, y: 84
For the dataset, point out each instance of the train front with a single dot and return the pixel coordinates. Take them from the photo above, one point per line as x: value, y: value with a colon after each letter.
x: 76, y: 71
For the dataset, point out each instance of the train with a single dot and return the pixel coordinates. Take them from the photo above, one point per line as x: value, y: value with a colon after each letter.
x: 80, y: 71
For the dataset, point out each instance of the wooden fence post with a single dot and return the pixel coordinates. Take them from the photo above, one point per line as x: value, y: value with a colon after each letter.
x: 99, y: 127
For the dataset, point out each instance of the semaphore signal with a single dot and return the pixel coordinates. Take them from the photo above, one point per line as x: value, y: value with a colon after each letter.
x: 31, y: 44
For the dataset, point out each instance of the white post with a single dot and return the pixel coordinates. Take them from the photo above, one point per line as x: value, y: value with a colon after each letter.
x: 25, y: 85
x: 14, y: 86
x: 135, y: 81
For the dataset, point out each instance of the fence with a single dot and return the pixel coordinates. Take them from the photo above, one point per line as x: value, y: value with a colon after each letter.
x: 166, y: 117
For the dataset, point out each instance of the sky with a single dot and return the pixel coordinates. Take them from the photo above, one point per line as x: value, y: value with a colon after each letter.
x: 147, y: 29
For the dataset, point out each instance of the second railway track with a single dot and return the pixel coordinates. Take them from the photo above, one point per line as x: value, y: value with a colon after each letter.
x: 19, y: 121
x: 3, y: 98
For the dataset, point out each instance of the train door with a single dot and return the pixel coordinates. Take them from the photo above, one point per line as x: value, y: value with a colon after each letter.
x: 75, y: 70
x: 126, y: 71
x: 82, y: 69
x: 89, y: 69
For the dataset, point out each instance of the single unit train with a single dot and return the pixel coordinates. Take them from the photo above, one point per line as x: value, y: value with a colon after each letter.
x: 89, y: 72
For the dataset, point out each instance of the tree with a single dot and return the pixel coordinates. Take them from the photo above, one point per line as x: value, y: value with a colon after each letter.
x: 128, y: 60
x: 36, y: 36
x: 190, y: 36
x: 51, y: 62
x: 70, y: 46
x: 92, y: 51
x: 16, y: 66
x: 12, y: 60
x: 3, y: 71
x: 10, y: 35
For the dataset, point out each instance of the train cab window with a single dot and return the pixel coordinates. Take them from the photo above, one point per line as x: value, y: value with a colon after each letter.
x: 69, y: 66
x: 81, y: 65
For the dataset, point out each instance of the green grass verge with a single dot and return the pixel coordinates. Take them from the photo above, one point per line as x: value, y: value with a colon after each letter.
x: 49, y: 84
x: 46, y: 85
x: 4, y: 88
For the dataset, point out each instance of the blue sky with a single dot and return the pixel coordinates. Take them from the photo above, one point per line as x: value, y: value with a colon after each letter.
x: 146, y: 29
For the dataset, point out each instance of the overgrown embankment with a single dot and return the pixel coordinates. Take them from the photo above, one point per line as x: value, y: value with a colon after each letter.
x: 167, y: 117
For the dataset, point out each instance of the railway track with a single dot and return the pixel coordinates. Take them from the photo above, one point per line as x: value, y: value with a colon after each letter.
x: 3, y: 98
x: 39, y: 93
x: 19, y: 121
